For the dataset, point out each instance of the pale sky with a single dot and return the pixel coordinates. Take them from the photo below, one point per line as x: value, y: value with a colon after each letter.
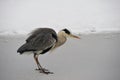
x: 73, y: 14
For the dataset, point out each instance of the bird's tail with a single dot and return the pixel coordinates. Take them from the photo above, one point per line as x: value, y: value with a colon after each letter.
x: 23, y: 48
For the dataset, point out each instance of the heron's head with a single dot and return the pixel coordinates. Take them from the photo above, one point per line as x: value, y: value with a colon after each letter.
x: 67, y: 33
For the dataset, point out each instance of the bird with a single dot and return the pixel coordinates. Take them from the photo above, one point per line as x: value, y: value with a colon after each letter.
x: 42, y: 40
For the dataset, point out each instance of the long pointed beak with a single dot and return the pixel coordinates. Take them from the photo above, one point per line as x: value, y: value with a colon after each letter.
x: 74, y: 36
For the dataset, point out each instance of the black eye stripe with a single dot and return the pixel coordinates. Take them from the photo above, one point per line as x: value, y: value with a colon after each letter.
x: 66, y: 31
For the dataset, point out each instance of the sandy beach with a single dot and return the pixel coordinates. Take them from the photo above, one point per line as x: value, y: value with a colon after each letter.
x: 93, y: 57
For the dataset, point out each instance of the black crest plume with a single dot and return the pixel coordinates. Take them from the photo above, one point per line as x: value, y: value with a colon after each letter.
x: 66, y: 31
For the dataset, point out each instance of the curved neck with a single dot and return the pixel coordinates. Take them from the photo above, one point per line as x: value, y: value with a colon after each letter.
x: 61, y: 39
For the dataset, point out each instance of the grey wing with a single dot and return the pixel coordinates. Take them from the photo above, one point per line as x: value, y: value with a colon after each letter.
x: 42, y: 42
x: 33, y: 34
x: 37, y: 31
x: 40, y: 39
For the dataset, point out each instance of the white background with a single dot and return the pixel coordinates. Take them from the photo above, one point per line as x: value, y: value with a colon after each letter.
x: 77, y: 15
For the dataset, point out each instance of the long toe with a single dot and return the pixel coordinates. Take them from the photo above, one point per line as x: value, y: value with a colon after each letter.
x: 38, y: 69
x: 46, y: 71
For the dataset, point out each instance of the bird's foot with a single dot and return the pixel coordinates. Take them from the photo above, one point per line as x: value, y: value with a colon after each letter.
x: 45, y: 71
x: 38, y: 69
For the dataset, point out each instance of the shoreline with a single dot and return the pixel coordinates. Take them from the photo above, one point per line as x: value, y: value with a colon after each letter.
x: 78, y: 33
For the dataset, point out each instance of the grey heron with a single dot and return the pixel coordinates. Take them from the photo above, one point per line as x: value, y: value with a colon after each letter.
x: 43, y: 40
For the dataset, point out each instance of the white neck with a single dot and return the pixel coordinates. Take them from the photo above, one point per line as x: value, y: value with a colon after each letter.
x: 61, y: 39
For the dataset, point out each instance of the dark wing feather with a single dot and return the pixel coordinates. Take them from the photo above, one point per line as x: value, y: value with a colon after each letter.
x: 37, y: 31
x: 42, y: 42
x: 41, y: 39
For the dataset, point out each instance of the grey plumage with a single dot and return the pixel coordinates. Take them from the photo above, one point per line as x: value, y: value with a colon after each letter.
x: 40, y: 39
x: 41, y: 31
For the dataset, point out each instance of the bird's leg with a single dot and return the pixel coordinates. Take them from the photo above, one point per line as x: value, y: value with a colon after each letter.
x: 42, y: 70
x: 37, y: 62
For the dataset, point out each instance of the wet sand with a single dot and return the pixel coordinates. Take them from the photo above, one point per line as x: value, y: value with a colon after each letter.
x: 93, y: 57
